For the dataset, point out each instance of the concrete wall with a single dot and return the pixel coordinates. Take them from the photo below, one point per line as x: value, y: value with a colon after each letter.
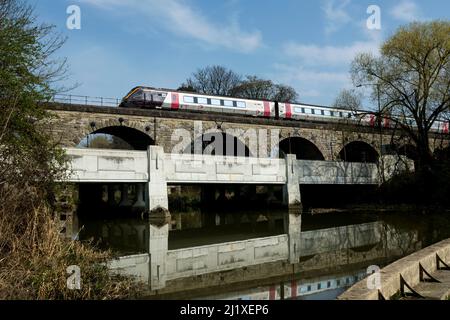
x: 135, y: 265
x: 220, y: 169
x: 226, y: 256
x: 103, y: 165
x: 335, y: 172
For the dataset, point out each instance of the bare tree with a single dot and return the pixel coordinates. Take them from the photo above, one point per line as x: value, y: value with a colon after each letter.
x: 348, y: 99
x: 214, y: 80
x: 255, y: 88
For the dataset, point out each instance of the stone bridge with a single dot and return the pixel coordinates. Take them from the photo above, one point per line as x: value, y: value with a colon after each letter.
x: 178, y: 131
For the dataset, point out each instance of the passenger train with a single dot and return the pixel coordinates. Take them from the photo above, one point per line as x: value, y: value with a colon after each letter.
x: 147, y: 97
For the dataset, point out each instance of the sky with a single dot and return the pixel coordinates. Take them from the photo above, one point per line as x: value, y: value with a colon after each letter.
x: 307, y: 44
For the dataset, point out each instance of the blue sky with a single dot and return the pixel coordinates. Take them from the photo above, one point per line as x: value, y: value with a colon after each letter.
x: 306, y: 44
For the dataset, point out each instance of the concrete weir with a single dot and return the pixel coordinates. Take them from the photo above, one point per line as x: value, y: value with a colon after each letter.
x: 155, y: 169
x: 419, y: 275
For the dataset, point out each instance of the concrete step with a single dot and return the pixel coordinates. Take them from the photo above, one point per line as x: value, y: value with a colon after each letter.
x: 436, y: 290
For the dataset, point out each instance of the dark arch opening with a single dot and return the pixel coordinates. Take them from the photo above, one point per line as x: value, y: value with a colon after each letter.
x: 117, y: 137
x: 408, y: 151
x: 358, y: 151
x: 302, y: 148
x: 219, y: 144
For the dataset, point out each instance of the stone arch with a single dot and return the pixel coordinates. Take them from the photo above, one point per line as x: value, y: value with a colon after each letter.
x: 301, y: 147
x: 219, y: 143
x: 137, y: 139
x: 359, y: 151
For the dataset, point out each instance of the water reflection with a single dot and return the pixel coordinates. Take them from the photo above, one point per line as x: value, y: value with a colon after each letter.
x: 339, y: 246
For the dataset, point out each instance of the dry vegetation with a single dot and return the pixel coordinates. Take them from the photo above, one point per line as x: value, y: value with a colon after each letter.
x: 33, y: 255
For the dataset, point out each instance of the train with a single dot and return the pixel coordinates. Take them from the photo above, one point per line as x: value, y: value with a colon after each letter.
x: 148, y: 97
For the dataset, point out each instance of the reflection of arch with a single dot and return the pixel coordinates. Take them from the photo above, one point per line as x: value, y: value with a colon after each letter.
x: 302, y: 148
x: 219, y: 143
x: 135, y: 138
x: 358, y: 151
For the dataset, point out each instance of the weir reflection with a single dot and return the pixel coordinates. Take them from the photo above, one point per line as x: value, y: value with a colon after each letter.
x: 335, y: 249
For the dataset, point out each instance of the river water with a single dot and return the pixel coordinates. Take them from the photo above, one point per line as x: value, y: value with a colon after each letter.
x: 337, y: 248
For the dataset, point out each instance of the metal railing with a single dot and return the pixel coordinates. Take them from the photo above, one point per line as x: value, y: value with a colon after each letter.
x: 86, y: 100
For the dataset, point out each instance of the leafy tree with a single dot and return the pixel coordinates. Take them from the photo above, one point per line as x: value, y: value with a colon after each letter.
x: 412, y: 76
x: 26, y: 76
x: 33, y: 255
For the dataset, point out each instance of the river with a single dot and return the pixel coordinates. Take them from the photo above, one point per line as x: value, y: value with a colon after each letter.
x: 337, y: 248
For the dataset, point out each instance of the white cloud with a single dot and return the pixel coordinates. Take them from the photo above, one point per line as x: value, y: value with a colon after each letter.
x: 179, y: 18
x: 335, y: 14
x: 329, y: 55
x: 406, y: 11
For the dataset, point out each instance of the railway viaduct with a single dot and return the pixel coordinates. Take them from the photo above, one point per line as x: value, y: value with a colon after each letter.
x: 296, y: 153
x: 314, y: 139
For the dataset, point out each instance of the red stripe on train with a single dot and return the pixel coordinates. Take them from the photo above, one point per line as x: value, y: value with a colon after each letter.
x: 446, y: 125
x: 293, y: 289
x: 288, y: 111
x: 266, y: 109
x: 175, y: 101
x: 272, y: 293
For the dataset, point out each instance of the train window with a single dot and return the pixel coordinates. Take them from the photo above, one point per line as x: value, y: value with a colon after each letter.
x: 240, y: 104
x: 332, y: 113
x: 202, y: 100
x: 234, y: 103
x: 338, y: 282
x: 313, y: 111
x: 195, y: 100
x: 319, y: 286
x: 209, y: 101
x: 340, y: 114
x: 222, y: 102
x: 139, y: 95
x: 329, y: 284
x: 188, y: 99
x: 298, y: 110
x: 309, y: 288
x: 323, y: 112
x: 215, y: 102
x: 228, y: 103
